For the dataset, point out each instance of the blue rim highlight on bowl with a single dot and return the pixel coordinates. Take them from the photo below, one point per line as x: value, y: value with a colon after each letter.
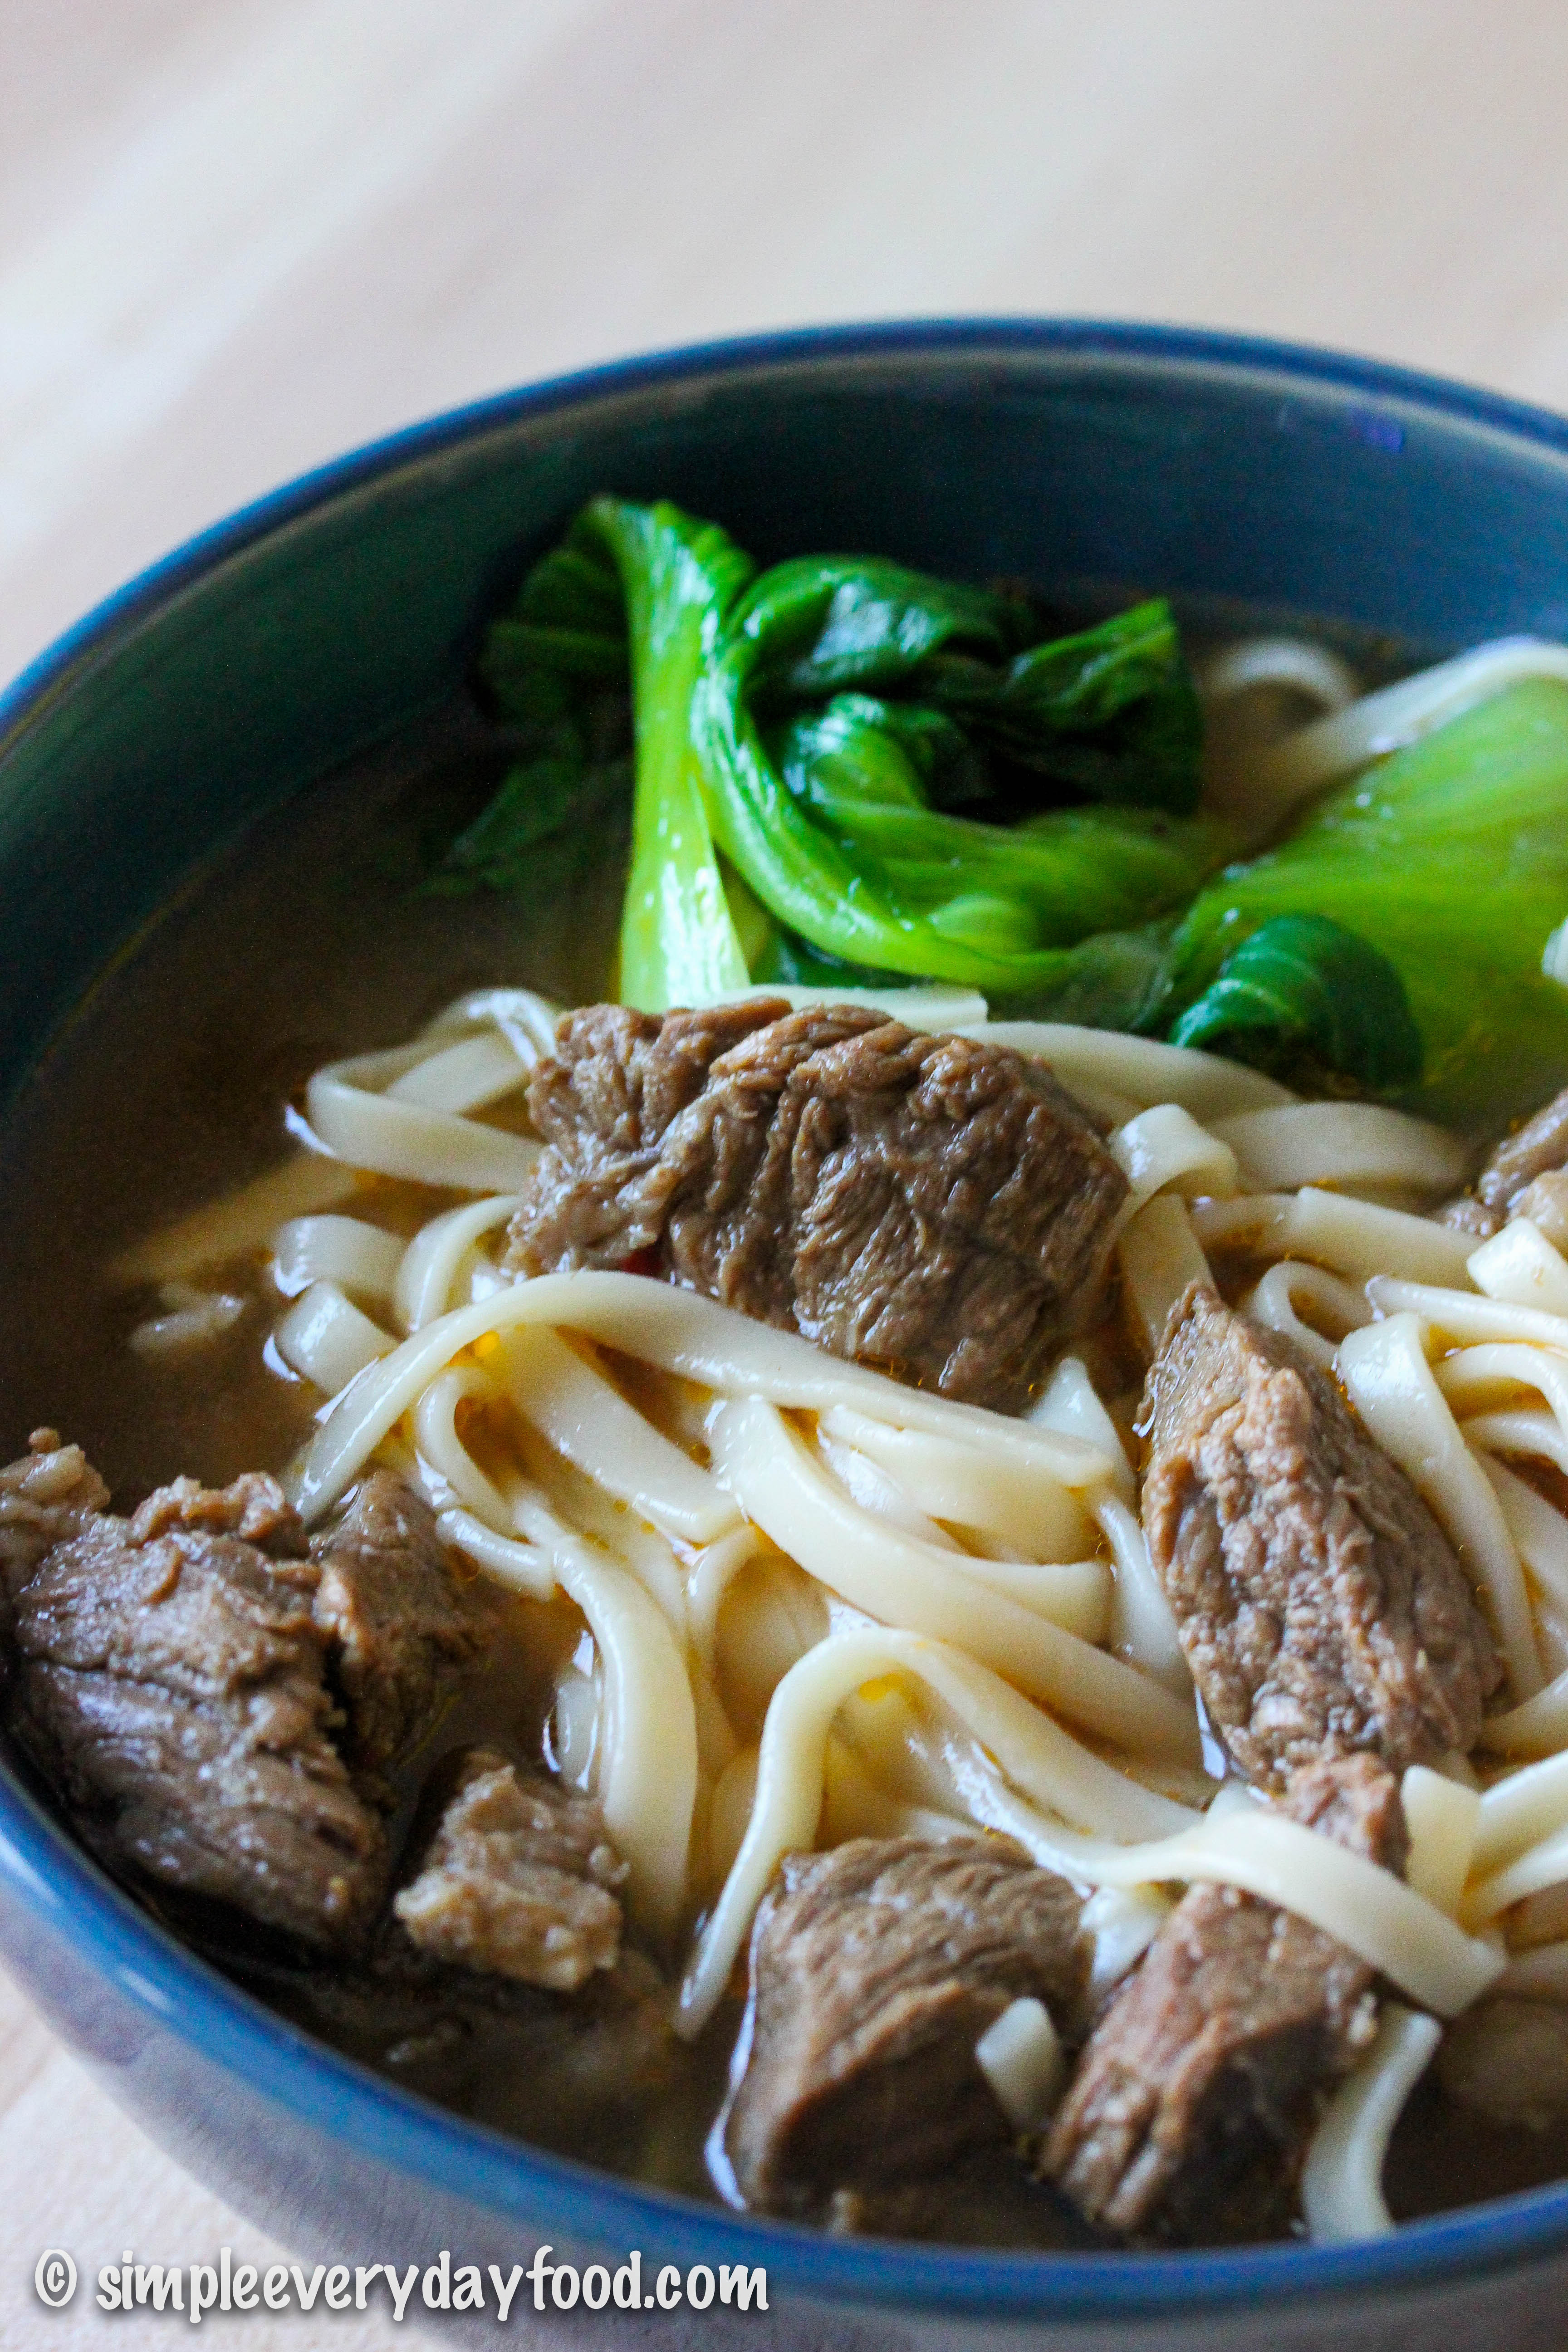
x: 50, y: 1883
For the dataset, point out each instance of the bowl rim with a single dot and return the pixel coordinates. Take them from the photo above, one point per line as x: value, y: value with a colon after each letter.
x: 179, y: 1993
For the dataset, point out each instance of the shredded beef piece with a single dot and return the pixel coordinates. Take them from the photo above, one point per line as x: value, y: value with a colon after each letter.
x: 876, y: 1968
x: 518, y: 1880
x: 407, y: 1617
x: 254, y: 1508
x: 1321, y: 1606
x: 1524, y: 1177
x: 169, y: 1684
x: 932, y: 1204
x: 52, y: 1493
x: 1196, y: 2093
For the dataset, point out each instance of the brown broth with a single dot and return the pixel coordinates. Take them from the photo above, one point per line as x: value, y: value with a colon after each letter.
x: 169, y: 1086
x: 308, y: 942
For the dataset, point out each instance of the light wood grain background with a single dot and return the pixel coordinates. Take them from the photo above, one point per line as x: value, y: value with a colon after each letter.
x: 238, y: 236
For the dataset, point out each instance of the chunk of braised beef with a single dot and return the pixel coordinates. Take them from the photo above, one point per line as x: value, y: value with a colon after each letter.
x: 50, y: 1494
x: 519, y: 1880
x: 1193, y: 2101
x: 1320, y: 1607
x: 932, y: 1204
x: 253, y: 1507
x: 169, y: 1684
x: 406, y: 1616
x: 1527, y: 1176
x: 876, y: 1968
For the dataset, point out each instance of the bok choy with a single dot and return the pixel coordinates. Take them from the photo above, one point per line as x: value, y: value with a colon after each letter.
x: 804, y: 743
x: 1303, y: 990
x: 844, y: 771
x: 1450, y: 859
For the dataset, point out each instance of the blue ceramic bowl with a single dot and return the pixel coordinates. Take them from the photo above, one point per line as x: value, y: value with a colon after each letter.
x: 341, y: 610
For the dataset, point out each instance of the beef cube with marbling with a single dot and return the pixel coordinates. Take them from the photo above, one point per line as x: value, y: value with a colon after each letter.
x: 1320, y: 1607
x: 875, y: 1969
x: 934, y: 1204
x: 521, y: 1880
x: 1194, y: 2099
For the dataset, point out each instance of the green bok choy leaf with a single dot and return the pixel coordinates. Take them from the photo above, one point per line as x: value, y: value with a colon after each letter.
x: 846, y: 770
x: 1450, y: 858
x: 1304, y: 989
x: 827, y: 810
x: 818, y: 728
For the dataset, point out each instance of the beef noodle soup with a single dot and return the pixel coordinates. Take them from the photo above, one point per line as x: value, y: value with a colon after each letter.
x: 799, y: 1408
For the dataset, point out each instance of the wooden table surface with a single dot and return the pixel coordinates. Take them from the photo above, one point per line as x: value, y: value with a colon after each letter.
x: 240, y: 235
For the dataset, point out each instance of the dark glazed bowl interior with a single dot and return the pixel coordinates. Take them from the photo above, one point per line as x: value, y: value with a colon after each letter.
x: 1086, y: 458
